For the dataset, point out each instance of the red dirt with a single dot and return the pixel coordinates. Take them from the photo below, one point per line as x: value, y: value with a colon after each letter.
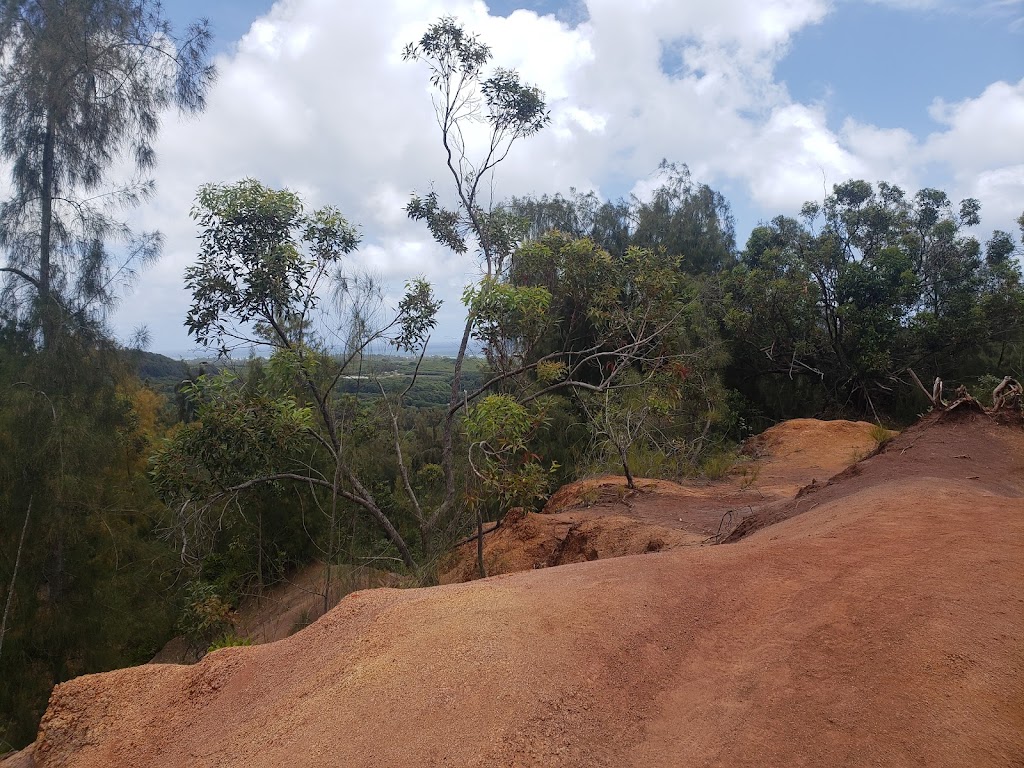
x: 882, y: 625
x: 601, y: 517
x: 778, y: 463
x: 542, y: 541
x: 285, y: 608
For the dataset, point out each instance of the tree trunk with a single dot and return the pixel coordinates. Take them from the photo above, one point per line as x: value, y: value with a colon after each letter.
x: 14, y: 576
x: 330, y: 538
x: 45, y: 228
x: 480, y: 543
x: 625, y: 468
x: 447, y: 439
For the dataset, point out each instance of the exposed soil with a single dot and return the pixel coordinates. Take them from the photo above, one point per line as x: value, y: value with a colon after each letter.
x: 601, y: 517
x: 777, y: 463
x: 525, y: 542
x: 958, y: 446
x: 882, y: 625
x: 287, y: 607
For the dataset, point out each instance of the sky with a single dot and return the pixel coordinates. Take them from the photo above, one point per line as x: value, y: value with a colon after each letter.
x: 768, y: 101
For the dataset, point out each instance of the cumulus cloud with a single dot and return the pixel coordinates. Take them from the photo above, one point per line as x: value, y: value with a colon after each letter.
x: 316, y: 97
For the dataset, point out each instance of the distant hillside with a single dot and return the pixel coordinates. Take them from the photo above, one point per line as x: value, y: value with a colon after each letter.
x: 163, y: 374
x: 149, y: 365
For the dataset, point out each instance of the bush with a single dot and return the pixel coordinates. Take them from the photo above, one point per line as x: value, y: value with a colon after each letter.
x: 228, y: 640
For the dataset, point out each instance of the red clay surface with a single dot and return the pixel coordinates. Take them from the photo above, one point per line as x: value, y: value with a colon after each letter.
x: 880, y: 624
x: 601, y: 517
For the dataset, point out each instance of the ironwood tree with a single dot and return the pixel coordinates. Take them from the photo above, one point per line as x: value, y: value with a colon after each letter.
x: 84, y: 85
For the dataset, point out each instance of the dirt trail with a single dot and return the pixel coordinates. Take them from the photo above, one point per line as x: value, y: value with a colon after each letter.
x: 882, y: 626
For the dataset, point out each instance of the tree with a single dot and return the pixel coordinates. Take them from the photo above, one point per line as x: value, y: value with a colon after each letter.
x: 630, y: 340
x: 865, y: 285
x: 688, y: 220
x: 81, y: 572
x: 684, y: 218
x: 258, y: 281
x: 1002, y: 302
x: 624, y: 416
x: 84, y: 84
x: 511, y: 111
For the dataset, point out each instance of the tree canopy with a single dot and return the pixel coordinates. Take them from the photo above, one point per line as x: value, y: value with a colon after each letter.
x: 84, y: 84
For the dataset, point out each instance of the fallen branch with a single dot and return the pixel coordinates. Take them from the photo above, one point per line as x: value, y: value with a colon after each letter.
x: 1008, y: 394
x: 717, y: 537
x: 475, y: 536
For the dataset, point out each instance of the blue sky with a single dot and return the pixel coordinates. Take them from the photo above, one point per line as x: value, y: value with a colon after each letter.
x: 769, y: 101
x: 886, y: 64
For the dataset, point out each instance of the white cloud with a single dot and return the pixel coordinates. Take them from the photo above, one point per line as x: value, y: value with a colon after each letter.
x: 1002, y: 189
x: 981, y: 133
x: 316, y: 97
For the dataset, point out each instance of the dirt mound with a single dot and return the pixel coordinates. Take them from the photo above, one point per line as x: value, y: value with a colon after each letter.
x: 285, y: 608
x: 882, y: 627
x: 601, y: 517
x: 960, y: 446
x: 529, y: 541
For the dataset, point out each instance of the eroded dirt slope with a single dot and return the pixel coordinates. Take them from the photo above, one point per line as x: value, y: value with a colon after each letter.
x: 883, y: 627
x: 601, y: 517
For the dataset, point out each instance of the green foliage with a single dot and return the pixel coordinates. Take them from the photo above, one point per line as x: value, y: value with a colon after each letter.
x: 236, y: 435
x: 826, y: 314
x: 258, y: 281
x: 502, y: 421
x: 89, y: 593
x: 84, y: 86
x: 206, y: 617
x: 687, y: 220
x: 229, y: 640
x: 718, y: 465
x: 262, y: 260
x: 507, y: 319
x: 417, y: 312
x: 499, y: 429
x: 880, y: 435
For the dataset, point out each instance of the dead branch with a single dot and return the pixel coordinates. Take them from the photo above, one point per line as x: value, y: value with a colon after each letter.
x: 935, y: 396
x: 1009, y: 394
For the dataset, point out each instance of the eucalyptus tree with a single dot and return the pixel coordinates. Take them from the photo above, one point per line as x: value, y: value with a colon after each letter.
x: 464, y: 96
x: 83, y: 87
x: 264, y: 268
x: 535, y: 351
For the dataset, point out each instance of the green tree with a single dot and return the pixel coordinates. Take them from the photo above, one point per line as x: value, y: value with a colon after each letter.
x: 683, y: 218
x: 686, y: 219
x: 263, y: 266
x: 1002, y: 303
x: 464, y: 93
x: 630, y: 340
x: 80, y: 568
x: 499, y: 429
x: 828, y: 312
x: 84, y: 85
